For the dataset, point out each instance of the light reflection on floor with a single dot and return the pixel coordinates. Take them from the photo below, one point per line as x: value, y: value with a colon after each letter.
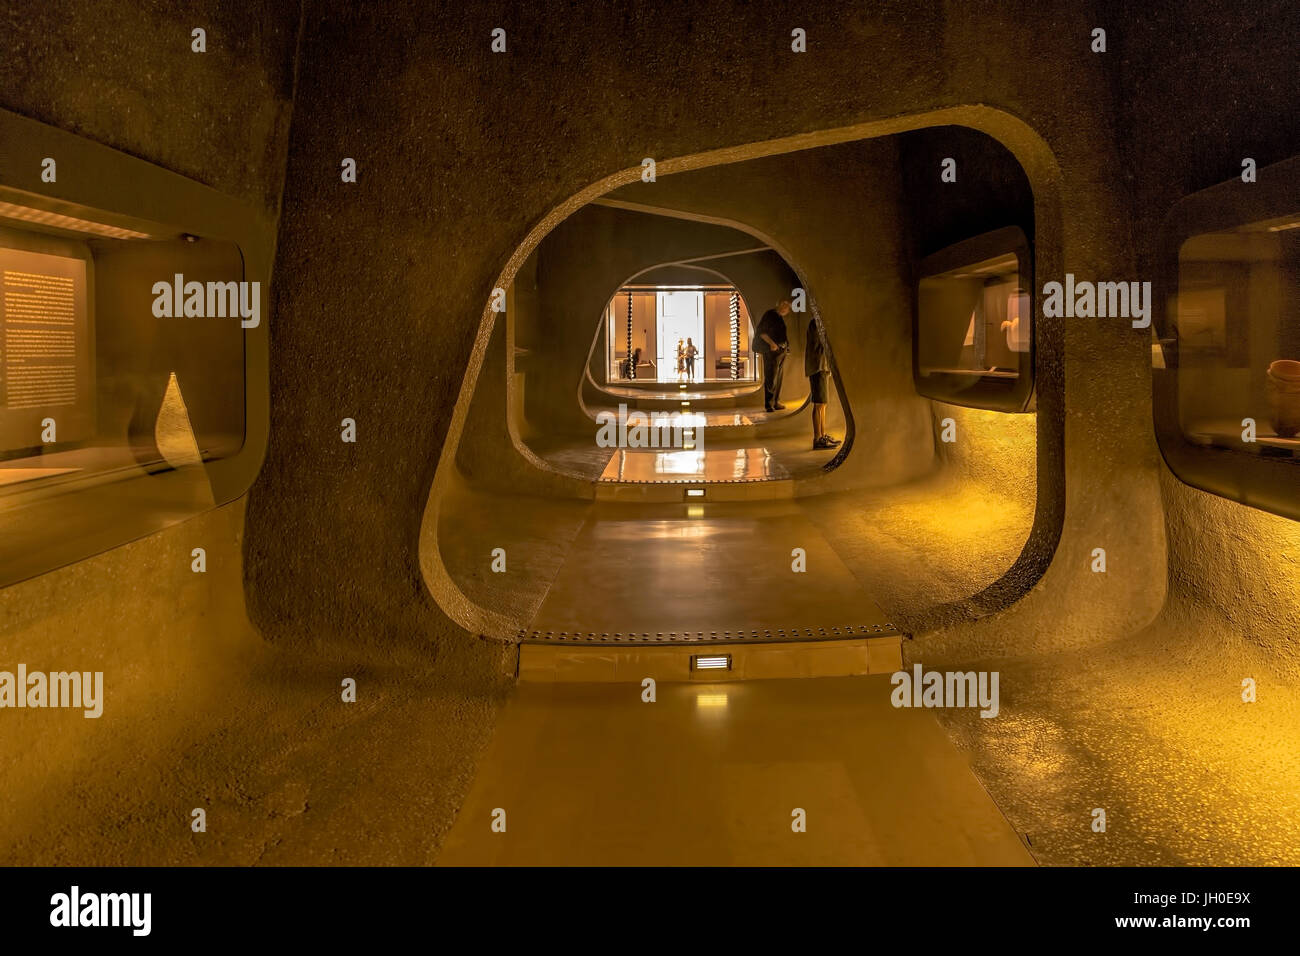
x: 721, y: 464
x: 692, y: 392
x: 711, y: 774
x: 679, y: 419
x: 642, y: 568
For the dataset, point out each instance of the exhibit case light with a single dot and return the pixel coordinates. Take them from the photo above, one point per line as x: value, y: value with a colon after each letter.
x: 973, y: 326
x: 119, y: 417
x: 1226, y: 373
x: 19, y: 214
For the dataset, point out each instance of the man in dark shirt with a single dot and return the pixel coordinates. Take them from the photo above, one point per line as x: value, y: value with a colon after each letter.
x: 772, y: 342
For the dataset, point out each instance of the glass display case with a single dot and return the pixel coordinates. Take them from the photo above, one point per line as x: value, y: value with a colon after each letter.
x: 133, y: 349
x: 973, y: 341
x: 1226, y: 360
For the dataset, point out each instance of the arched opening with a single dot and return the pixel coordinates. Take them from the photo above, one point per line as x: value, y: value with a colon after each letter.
x: 757, y: 427
x: 1112, y: 466
x: 851, y: 224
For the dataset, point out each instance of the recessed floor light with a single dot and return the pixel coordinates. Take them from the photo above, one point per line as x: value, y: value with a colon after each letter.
x: 707, y: 662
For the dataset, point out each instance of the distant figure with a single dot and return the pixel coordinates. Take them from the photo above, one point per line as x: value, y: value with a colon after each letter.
x: 691, y: 352
x: 818, y: 371
x: 681, y: 360
x: 774, y: 343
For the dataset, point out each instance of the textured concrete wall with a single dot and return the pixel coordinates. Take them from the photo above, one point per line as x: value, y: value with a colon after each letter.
x: 1232, y: 567
x: 990, y: 191
x: 1236, y: 570
x: 466, y: 159
x: 162, y: 635
x: 488, y: 456
x: 994, y: 449
x: 387, y: 280
x: 123, y: 74
x: 199, y: 712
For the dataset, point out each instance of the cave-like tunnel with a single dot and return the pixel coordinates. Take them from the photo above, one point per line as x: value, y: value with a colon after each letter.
x: 724, y: 436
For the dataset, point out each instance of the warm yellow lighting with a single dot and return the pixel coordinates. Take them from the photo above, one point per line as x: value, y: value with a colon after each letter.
x: 173, y: 433
x: 1276, y: 224
x: 719, y: 662
x: 694, y: 492
x: 695, y: 511
x: 72, y: 224
x: 711, y: 700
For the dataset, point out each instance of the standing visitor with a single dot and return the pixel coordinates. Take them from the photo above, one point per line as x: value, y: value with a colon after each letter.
x: 773, y: 342
x: 818, y: 370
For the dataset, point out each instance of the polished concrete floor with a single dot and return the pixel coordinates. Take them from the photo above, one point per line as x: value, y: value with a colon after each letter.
x: 1152, y: 728
x: 710, y: 773
x: 721, y: 433
x: 674, y: 567
x: 724, y: 451
x: 664, y: 566
x: 1186, y: 772
x: 713, y: 774
x: 673, y: 389
x: 694, y: 465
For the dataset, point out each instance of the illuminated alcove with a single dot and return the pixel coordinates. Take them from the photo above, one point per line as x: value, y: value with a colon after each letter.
x: 1226, y: 341
x: 1028, y: 443
x: 125, y: 406
x: 645, y: 316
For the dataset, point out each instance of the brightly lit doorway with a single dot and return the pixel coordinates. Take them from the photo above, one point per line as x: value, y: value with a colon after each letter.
x: 680, y: 316
x: 637, y: 323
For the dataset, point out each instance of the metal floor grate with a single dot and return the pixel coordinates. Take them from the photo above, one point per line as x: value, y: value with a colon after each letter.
x: 692, y: 480
x: 750, y: 635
